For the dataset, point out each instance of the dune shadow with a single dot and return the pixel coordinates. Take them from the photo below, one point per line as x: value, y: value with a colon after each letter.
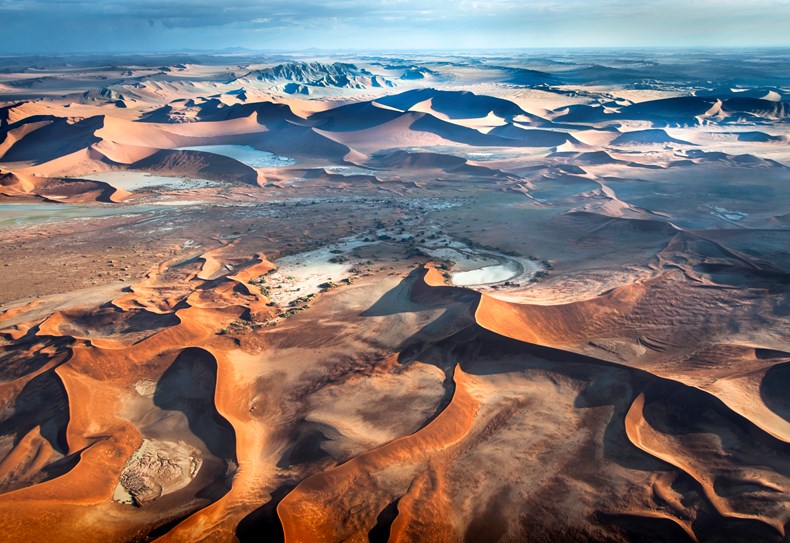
x: 59, y: 137
x: 205, y: 165
x: 189, y: 386
x: 675, y: 409
x: 307, y: 444
x: 380, y: 533
x: 457, y: 306
x: 410, y: 294
x: 646, y: 529
x: 775, y: 390
x: 263, y: 524
x: 711, y: 526
x: 394, y: 301
x: 20, y: 359
x: 43, y: 403
x: 604, y: 384
x: 111, y: 321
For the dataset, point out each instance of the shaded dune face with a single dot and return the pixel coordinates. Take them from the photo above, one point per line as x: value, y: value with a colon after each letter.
x: 36, y: 445
x: 198, y: 165
x: 773, y: 388
x: 69, y: 137
x: 188, y: 386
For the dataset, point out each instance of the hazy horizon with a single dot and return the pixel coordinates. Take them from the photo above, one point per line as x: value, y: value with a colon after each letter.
x: 79, y: 26
x: 480, y: 51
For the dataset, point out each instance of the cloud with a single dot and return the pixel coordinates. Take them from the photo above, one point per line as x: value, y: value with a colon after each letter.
x: 283, y: 24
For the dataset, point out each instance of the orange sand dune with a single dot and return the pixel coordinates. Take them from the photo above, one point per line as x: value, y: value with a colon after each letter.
x: 305, y: 522
x: 414, y: 471
x: 58, y: 189
x: 556, y: 326
x: 91, y: 437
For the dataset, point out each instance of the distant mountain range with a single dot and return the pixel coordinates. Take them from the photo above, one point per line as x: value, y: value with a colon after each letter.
x: 299, y: 77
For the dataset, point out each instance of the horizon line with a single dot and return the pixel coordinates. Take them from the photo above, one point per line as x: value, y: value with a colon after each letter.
x: 239, y: 49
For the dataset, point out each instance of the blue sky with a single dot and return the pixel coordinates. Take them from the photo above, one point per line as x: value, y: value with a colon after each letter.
x: 161, y: 25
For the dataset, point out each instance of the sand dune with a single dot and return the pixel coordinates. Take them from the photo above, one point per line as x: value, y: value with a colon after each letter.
x: 455, y: 104
x: 647, y: 137
x: 59, y: 190
x: 233, y: 310
x: 57, y: 138
x: 402, y: 160
x: 392, y: 473
x: 353, y: 117
x: 199, y: 165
